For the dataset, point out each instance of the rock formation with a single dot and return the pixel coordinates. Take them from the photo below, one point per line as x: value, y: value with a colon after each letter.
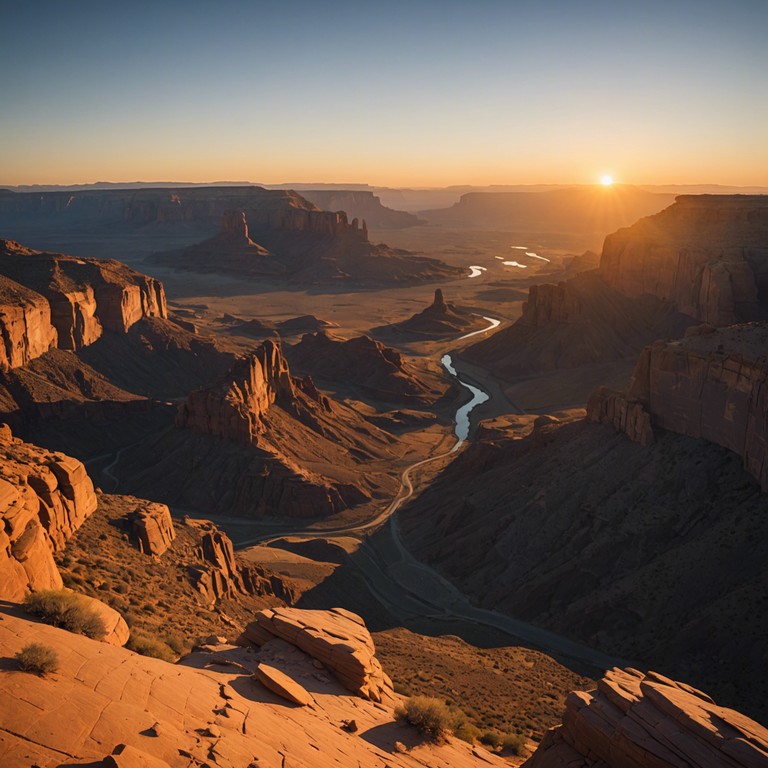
x: 359, y: 204
x: 439, y: 320
x: 217, y: 573
x: 85, y: 296
x: 377, y: 371
x: 132, y: 711
x: 707, y: 254
x: 711, y: 384
x: 337, y: 638
x: 152, y: 528
x: 235, y: 408
x: 636, y: 720
x: 25, y: 324
x: 45, y: 497
x: 579, y: 322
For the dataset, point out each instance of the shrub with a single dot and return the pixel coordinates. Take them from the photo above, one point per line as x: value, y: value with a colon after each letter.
x: 37, y: 658
x: 466, y: 732
x: 514, y: 743
x: 149, y: 645
x: 491, y: 739
x: 67, y: 610
x: 431, y: 717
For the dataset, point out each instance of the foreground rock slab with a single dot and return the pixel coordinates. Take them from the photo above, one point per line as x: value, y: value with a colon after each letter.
x: 338, y: 638
x: 636, y: 720
x: 109, y: 706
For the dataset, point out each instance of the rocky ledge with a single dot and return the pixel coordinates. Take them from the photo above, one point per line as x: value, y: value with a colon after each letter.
x: 711, y: 384
x: 44, y: 498
x: 636, y: 720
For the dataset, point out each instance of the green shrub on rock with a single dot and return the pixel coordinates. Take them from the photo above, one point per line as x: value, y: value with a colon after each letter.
x: 68, y: 610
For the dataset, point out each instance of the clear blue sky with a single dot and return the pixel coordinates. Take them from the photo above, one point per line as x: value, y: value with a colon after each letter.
x: 396, y: 93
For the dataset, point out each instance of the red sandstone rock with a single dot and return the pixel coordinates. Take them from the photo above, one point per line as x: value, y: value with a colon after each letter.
x: 84, y: 296
x: 25, y: 324
x: 44, y: 498
x: 152, y: 527
x: 283, y: 685
x: 117, y: 632
x: 234, y: 408
x: 649, y: 721
x: 337, y: 638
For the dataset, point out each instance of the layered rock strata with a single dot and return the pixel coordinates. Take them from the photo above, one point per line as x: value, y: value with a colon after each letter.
x: 50, y: 300
x: 337, y: 638
x: 44, y: 498
x: 707, y: 254
x: 217, y: 573
x: 712, y: 384
x: 636, y: 720
x: 235, y: 408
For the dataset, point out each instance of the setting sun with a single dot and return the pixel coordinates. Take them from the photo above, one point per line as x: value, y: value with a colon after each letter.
x: 606, y: 181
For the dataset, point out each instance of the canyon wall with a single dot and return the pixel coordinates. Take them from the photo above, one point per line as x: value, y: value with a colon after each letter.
x: 51, y: 300
x: 711, y: 384
x: 707, y: 254
x: 44, y: 498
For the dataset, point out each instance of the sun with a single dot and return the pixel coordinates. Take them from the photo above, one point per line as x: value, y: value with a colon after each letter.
x: 606, y: 181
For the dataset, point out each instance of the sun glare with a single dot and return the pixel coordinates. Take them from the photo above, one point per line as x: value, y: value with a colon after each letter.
x: 606, y: 181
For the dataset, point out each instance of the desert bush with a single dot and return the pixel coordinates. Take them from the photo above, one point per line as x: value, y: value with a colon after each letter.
x: 67, y: 610
x: 37, y: 658
x: 491, y: 739
x: 432, y: 717
x: 149, y: 645
x: 466, y: 732
x: 514, y: 743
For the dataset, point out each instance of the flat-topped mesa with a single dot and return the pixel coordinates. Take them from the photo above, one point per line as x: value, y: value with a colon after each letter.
x: 636, y: 720
x: 711, y: 384
x: 44, y: 498
x: 84, y: 297
x: 707, y: 254
x: 234, y: 408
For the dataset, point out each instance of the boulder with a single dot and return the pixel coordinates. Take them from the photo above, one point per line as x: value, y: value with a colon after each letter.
x: 283, y: 685
x: 152, y: 528
x: 636, y: 720
x: 117, y: 632
x: 337, y: 638
x: 126, y: 756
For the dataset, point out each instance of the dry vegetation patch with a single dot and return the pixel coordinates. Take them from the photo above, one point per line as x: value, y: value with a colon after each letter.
x: 507, y: 694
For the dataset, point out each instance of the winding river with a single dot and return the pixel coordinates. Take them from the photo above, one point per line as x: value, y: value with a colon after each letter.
x: 462, y: 415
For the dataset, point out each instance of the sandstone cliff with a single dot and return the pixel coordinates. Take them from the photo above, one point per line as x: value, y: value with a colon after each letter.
x: 363, y: 205
x: 25, y: 324
x: 578, y: 322
x: 636, y: 720
x: 84, y: 298
x: 707, y: 254
x: 45, y: 498
x: 234, y: 409
x: 711, y: 384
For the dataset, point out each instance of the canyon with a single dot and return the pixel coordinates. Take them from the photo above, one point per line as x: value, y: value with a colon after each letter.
x: 221, y: 459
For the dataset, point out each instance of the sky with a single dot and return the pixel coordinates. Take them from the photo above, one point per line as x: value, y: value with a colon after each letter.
x: 389, y: 93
